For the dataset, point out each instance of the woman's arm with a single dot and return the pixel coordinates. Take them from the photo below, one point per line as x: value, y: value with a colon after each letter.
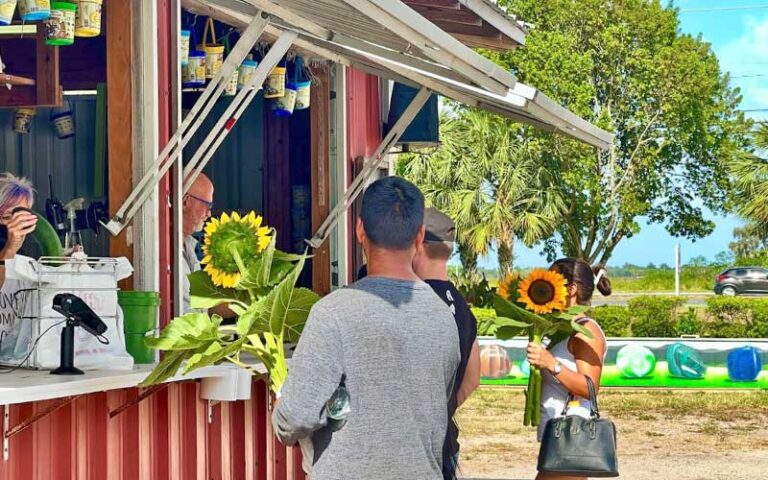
x: 471, y: 376
x: 589, y: 361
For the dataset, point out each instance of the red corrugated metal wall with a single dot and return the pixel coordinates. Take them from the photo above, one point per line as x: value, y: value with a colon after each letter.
x: 363, y: 134
x: 169, y: 439
x: 173, y: 434
x: 363, y: 117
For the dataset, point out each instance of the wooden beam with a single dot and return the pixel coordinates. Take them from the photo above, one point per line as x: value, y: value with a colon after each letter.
x: 447, y: 4
x: 15, y: 80
x: 119, y: 21
x: 47, y: 72
x: 499, y: 43
x: 21, y: 96
x: 462, y: 17
x: 320, y: 181
x: 277, y: 152
x: 482, y: 30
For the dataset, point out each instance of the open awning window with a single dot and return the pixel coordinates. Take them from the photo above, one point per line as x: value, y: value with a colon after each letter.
x: 394, y: 41
x: 400, y: 40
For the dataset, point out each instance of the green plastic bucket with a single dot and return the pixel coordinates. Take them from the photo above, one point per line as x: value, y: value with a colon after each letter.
x: 140, y: 310
x: 134, y: 343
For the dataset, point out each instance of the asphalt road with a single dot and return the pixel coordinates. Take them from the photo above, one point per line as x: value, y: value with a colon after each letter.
x: 694, y: 298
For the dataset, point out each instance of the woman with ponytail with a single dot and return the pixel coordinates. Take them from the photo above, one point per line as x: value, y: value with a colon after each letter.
x: 565, y: 364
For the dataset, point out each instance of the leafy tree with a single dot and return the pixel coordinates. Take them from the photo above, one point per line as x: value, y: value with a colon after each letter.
x: 747, y: 241
x: 749, y: 199
x: 750, y: 171
x: 493, y: 200
x: 627, y: 67
x: 699, y: 261
x: 724, y: 258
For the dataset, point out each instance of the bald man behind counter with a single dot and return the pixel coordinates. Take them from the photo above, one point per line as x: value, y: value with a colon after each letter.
x: 196, y: 209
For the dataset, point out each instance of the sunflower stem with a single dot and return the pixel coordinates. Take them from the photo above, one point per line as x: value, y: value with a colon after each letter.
x: 240, y: 364
x: 527, y: 411
x: 536, y: 417
x: 537, y: 406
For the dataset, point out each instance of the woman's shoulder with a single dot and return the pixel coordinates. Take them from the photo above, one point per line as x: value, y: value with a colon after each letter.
x: 592, y: 325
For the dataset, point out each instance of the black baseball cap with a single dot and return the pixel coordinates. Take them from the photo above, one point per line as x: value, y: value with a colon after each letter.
x: 439, y: 226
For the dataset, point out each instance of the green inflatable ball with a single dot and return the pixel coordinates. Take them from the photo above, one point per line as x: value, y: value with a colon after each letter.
x: 635, y: 361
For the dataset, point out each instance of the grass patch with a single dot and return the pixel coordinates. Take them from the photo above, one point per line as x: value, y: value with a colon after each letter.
x: 496, y: 402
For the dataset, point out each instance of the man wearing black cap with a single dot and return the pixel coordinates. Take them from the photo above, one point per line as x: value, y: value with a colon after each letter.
x: 431, y: 265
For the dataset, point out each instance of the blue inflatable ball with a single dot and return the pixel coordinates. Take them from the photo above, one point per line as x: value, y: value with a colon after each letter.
x: 744, y: 364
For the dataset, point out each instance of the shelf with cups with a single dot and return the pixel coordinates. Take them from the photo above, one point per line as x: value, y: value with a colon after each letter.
x: 49, y: 25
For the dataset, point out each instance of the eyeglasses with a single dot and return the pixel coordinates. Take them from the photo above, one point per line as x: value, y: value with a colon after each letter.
x: 208, y: 204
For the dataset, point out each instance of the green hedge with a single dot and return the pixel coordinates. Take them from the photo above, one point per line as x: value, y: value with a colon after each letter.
x: 723, y: 317
x: 655, y: 316
x: 729, y: 317
x: 614, y: 320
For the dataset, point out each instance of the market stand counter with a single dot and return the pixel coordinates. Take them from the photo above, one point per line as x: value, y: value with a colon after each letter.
x: 210, y: 424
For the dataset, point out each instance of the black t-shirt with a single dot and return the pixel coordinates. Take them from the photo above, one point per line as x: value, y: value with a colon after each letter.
x: 467, y: 326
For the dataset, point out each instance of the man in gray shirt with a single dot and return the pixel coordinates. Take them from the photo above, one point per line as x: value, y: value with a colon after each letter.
x: 395, y: 344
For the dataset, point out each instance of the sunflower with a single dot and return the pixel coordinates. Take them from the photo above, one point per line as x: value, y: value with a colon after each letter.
x: 230, y: 233
x: 543, y: 291
x: 507, y: 288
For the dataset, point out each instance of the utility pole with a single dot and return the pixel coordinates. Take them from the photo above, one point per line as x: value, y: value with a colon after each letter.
x: 677, y: 269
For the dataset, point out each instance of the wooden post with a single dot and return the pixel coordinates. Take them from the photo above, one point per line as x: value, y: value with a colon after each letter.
x: 47, y: 72
x: 320, y: 131
x: 119, y: 21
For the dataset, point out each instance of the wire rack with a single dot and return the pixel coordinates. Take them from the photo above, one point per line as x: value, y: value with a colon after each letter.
x: 52, y: 279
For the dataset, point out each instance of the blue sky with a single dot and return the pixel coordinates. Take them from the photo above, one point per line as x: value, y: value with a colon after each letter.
x: 739, y: 37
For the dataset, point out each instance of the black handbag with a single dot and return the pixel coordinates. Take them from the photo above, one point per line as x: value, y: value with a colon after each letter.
x: 577, y: 446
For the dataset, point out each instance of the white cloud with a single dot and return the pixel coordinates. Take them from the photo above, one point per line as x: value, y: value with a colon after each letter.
x: 748, y: 55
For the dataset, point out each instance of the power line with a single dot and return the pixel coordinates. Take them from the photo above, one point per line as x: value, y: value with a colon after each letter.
x: 723, y: 9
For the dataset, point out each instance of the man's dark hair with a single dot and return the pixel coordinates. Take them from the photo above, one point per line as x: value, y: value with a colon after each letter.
x: 392, y: 213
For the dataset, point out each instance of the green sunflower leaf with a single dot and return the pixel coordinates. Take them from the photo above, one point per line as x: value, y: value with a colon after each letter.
x: 507, y: 333
x: 187, y: 332
x: 281, y: 303
x: 509, y: 310
x: 167, y: 367
x: 576, y: 326
x: 213, y: 354
x: 204, y: 294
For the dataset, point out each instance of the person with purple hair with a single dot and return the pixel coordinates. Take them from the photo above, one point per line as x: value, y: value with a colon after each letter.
x: 14, y: 192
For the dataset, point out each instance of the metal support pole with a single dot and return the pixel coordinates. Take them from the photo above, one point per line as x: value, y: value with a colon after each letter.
x: 677, y: 269
x: 189, y: 126
x: 370, y: 165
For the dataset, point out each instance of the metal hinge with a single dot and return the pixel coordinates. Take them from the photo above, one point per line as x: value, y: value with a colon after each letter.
x: 6, y: 426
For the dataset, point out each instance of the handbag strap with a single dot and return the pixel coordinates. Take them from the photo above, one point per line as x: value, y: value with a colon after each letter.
x: 210, y: 24
x: 593, y: 408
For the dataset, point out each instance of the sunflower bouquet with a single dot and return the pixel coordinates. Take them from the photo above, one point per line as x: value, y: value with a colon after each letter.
x: 537, y: 305
x: 246, y: 273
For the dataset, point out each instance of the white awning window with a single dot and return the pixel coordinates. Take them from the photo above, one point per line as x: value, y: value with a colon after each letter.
x: 393, y: 39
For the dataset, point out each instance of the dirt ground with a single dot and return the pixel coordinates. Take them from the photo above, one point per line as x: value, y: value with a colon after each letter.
x: 661, y: 435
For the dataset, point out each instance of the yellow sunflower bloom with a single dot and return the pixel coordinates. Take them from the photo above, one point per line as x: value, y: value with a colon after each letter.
x: 229, y: 233
x: 543, y: 291
x: 506, y: 288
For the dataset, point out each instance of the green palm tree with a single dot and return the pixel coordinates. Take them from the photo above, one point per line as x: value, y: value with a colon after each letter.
x: 493, y: 188
x: 750, y: 173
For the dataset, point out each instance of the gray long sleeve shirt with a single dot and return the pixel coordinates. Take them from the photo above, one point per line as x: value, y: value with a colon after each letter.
x: 397, y: 344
